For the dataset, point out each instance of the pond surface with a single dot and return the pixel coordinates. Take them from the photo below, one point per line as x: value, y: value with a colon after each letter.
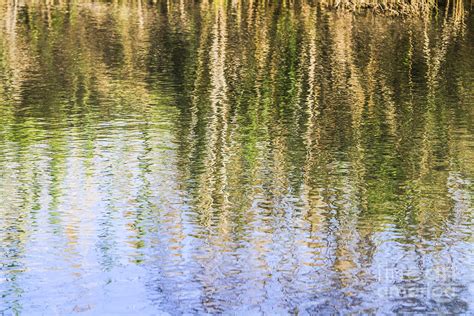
x: 234, y: 157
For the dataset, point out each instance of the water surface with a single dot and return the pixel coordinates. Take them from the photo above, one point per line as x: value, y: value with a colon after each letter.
x: 234, y: 157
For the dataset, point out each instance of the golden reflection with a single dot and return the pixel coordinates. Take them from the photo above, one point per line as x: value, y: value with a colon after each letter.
x: 249, y: 150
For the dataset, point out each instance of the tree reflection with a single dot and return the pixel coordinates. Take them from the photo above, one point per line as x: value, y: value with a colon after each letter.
x: 243, y: 153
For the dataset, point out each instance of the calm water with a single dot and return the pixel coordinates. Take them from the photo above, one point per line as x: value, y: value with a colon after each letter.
x: 234, y: 157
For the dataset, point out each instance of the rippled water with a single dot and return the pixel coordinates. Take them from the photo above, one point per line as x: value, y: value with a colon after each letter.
x: 234, y: 157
